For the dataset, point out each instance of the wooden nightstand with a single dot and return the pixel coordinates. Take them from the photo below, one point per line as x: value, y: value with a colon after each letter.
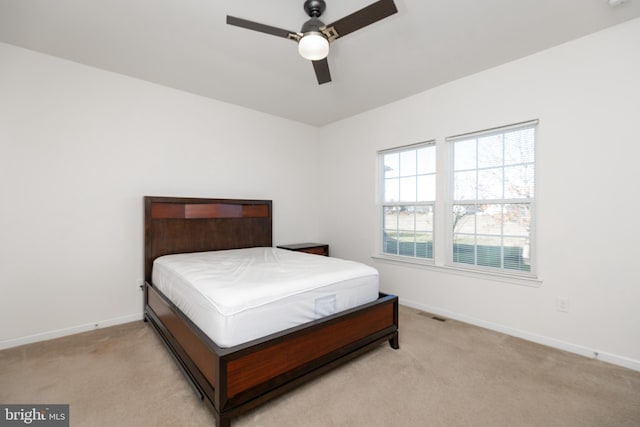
x: 310, y: 248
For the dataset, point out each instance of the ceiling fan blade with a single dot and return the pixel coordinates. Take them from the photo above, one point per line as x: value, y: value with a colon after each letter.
x: 321, y: 68
x: 363, y: 17
x: 239, y: 22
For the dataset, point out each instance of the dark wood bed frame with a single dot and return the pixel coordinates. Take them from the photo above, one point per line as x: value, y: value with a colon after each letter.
x: 236, y: 379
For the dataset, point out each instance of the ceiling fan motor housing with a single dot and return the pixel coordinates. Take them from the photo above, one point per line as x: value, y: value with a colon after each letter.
x: 314, y: 8
x: 312, y: 25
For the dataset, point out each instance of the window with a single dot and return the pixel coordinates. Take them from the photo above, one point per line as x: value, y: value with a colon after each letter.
x: 408, y: 195
x: 493, y: 197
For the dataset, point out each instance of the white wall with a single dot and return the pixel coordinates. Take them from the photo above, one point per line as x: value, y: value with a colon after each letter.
x: 587, y: 96
x: 79, y: 147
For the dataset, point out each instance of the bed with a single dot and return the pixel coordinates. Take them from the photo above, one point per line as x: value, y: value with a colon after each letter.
x: 234, y: 379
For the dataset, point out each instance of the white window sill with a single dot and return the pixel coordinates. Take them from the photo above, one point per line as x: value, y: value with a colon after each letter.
x: 467, y: 272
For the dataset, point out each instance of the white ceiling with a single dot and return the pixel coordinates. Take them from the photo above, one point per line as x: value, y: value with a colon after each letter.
x: 186, y: 44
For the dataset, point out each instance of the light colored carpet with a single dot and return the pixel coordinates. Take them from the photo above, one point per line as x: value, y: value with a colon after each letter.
x: 445, y: 374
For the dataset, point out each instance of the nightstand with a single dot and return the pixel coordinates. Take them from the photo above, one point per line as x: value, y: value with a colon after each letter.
x: 310, y: 248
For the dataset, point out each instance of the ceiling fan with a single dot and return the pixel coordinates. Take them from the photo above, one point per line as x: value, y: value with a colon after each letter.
x: 314, y: 37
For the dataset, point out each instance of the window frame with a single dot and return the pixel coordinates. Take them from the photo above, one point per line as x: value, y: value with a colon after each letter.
x: 531, y: 201
x: 382, y: 204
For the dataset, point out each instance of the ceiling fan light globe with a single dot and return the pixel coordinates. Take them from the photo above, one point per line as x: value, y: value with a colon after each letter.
x: 313, y: 46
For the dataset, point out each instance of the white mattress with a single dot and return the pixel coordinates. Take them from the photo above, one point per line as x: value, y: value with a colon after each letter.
x: 239, y: 295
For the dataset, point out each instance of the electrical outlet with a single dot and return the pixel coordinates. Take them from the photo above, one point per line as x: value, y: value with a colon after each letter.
x: 562, y: 304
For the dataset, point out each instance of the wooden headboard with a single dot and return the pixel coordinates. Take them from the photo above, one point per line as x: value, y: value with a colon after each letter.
x: 178, y: 225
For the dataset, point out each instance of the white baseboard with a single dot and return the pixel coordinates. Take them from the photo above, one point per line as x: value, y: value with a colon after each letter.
x: 614, y: 359
x: 14, y: 342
